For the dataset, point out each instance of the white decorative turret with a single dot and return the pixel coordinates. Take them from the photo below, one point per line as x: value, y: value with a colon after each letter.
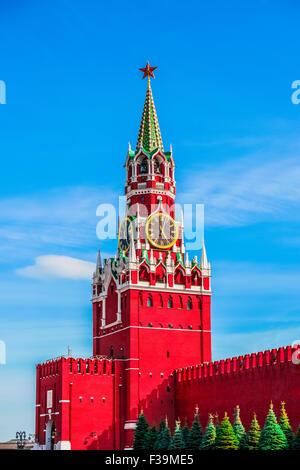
x: 203, y: 260
x: 132, y: 252
x: 99, y: 262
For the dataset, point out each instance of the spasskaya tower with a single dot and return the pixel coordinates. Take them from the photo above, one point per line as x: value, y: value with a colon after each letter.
x: 151, y: 303
x: 151, y: 329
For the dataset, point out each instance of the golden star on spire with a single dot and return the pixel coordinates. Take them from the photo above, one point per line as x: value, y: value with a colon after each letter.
x: 148, y: 71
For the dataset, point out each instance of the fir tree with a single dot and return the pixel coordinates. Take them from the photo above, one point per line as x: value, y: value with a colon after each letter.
x: 272, y: 437
x: 243, y: 443
x: 225, y: 436
x: 151, y: 438
x: 217, y: 422
x: 238, y: 427
x: 185, y: 434
x: 163, y: 438
x: 141, y: 433
x: 162, y: 426
x: 253, y: 434
x: 208, y: 440
x: 195, y: 437
x: 296, y: 443
x: 177, y: 441
x: 286, y: 427
x: 250, y: 441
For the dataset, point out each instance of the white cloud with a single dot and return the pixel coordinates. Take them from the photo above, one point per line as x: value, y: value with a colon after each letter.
x: 240, y: 192
x: 64, y: 216
x: 235, y: 344
x: 58, y: 266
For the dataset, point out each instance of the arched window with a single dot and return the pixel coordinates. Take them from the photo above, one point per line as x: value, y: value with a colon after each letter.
x: 180, y: 302
x: 141, y: 299
x: 150, y: 301
x: 179, y: 277
x: 160, y: 298
x: 196, y: 278
x: 144, y: 274
x: 156, y: 166
x: 144, y: 166
x: 160, y: 274
x: 170, y: 302
x: 189, y: 304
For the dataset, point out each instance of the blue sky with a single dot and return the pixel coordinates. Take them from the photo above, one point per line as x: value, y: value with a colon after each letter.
x: 74, y: 100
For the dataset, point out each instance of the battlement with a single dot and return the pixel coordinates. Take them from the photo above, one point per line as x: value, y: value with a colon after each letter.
x: 91, y: 366
x: 271, y: 357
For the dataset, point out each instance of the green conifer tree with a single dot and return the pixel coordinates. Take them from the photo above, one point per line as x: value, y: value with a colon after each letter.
x: 250, y: 440
x: 296, y: 443
x: 238, y: 427
x: 253, y: 434
x: 195, y: 437
x: 151, y: 438
x: 141, y: 433
x: 225, y: 436
x: 217, y: 421
x: 164, y: 437
x: 186, y: 434
x: 286, y: 427
x: 162, y: 426
x: 177, y: 441
x: 272, y: 437
x: 208, y: 440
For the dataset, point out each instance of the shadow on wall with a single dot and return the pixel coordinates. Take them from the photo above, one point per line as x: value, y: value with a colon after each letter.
x: 157, y: 405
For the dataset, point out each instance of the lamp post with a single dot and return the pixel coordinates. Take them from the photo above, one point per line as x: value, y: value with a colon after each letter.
x: 21, y: 436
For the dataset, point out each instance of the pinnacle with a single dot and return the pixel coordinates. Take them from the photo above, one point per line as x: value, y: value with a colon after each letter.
x: 149, y: 135
x: 203, y: 260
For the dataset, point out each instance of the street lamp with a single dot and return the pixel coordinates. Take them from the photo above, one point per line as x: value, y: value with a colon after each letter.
x: 21, y: 436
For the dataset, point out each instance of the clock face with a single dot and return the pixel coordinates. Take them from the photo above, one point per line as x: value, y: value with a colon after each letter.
x: 125, y: 232
x: 161, y: 230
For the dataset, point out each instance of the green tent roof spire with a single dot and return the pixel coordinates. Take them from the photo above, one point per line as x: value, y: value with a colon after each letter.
x: 149, y: 135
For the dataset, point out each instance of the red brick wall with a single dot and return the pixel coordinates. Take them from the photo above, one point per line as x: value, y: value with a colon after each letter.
x: 250, y: 381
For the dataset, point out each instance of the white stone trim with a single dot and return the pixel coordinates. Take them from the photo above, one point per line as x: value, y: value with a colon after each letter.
x: 64, y: 401
x: 130, y: 426
x: 129, y: 359
x: 49, y: 414
x: 142, y: 285
x: 109, y: 325
x: 63, y: 445
x: 152, y: 328
x: 135, y: 192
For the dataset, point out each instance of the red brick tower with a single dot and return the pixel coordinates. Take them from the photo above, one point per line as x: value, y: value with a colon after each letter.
x: 151, y: 330
x: 151, y: 304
